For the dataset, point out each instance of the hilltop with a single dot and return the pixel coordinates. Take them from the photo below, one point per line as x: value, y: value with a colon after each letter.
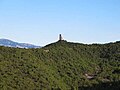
x: 61, y: 66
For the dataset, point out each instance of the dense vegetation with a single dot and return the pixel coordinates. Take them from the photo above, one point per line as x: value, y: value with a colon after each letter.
x: 61, y: 66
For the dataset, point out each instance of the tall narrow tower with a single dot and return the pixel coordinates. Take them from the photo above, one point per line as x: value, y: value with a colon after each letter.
x: 60, y: 37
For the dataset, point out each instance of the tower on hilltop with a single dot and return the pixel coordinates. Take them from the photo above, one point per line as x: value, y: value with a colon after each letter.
x: 60, y: 37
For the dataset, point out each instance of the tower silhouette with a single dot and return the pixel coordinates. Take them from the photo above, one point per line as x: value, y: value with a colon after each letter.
x: 60, y: 37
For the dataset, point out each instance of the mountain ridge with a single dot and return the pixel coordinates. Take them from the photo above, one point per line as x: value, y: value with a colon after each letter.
x: 10, y: 43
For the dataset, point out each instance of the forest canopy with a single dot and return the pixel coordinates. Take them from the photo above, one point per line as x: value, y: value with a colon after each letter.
x: 61, y: 66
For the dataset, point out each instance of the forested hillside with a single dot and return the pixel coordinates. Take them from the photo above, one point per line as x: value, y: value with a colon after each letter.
x: 61, y: 66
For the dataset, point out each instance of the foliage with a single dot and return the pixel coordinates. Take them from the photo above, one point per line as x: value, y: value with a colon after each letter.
x: 61, y: 66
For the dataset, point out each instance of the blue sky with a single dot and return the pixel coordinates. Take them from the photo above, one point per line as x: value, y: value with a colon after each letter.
x: 40, y: 21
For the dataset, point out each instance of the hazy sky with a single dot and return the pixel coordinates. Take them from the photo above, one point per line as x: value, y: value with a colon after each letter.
x: 40, y: 21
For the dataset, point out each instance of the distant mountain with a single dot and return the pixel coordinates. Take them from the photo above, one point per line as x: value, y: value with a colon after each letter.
x: 9, y: 43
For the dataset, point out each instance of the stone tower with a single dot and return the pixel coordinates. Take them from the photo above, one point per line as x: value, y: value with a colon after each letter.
x: 60, y: 37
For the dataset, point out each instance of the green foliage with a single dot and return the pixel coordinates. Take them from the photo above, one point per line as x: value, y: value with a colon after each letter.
x: 61, y: 66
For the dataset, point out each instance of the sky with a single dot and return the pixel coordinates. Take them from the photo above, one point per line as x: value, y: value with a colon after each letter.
x: 40, y: 22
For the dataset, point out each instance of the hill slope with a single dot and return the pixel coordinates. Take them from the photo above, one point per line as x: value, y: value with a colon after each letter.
x: 9, y: 43
x: 61, y: 66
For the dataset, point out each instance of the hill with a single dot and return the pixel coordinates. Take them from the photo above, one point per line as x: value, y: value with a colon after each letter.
x: 9, y: 43
x: 61, y: 66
